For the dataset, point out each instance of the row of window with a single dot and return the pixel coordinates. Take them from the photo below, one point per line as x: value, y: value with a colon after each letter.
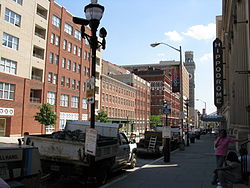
x: 117, y: 100
x: 67, y: 28
x: 108, y: 86
x: 68, y: 46
x: 64, y: 100
x: 114, y: 112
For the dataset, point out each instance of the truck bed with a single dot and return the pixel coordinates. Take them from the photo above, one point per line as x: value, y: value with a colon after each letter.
x: 71, y: 151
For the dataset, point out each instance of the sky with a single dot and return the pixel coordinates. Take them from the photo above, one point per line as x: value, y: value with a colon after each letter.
x: 132, y: 25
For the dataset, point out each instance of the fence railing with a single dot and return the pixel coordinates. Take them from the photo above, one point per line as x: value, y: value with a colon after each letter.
x: 244, y: 156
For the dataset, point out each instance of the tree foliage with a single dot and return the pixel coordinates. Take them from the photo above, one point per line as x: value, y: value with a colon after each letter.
x: 154, y: 121
x: 102, y: 116
x: 46, y: 116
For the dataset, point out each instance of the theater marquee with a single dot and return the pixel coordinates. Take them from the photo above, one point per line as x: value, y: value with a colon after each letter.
x: 218, y: 73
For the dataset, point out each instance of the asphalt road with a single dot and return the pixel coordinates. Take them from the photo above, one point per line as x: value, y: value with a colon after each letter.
x: 64, y: 182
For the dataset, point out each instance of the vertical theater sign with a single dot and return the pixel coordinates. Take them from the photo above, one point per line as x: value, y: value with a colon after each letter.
x: 218, y: 73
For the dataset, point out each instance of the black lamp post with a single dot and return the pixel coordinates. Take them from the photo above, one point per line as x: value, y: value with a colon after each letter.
x: 187, y: 105
x: 93, y: 13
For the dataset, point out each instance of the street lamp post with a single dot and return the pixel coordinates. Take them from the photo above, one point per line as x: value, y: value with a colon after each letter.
x: 181, y: 86
x: 93, y: 13
x: 204, y: 103
x: 187, y: 106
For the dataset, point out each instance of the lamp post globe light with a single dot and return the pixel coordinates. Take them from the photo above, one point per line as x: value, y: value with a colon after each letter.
x: 181, y: 87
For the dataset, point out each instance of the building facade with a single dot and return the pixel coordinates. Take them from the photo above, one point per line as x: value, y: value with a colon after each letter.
x: 23, y: 32
x: 190, y: 66
x: 159, y: 76
x: 235, y: 36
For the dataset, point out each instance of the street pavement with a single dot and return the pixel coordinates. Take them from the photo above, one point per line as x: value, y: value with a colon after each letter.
x: 192, y: 168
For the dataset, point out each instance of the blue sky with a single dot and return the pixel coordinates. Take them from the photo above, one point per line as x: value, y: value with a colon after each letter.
x: 133, y: 25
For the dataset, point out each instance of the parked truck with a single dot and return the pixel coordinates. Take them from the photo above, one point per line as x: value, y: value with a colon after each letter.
x: 63, y: 152
x: 152, y: 143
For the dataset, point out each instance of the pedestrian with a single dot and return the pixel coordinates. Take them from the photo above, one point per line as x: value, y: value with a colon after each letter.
x: 221, y: 149
x: 3, y: 184
x: 245, y: 157
x: 231, y: 172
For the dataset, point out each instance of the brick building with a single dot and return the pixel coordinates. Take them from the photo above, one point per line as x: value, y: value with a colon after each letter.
x: 22, y: 64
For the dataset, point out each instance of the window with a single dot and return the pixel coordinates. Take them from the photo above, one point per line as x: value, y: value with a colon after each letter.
x: 89, y: 56
x: 51, y: 98
x: 74, y: 66
x: 74, y: 50
x: 86, y: 42
x: 8, y: 66
x: 7, y: 91
x: 56, y: 21
x: 69, y: 47
x: 51, y: 56
x: 64, y: 100
x: 12, y: 17
x: 69, y: 65
x: 79, y: 52
x: 55, y: 79
x: 85, y: 55
x: 64, y: 44
x: 19, y: 1
x: 63, y: 62
x: 78, y: 68
x: 78, y: 85
x: 56, y: 59
x: 50, y: 77
x: 38, y: 52
x: 84, y: 104
x: 68, y: 82
x: 63, y: 81
x: 10, y: 41
x: 68, y: 29
x: 57, y: 41
x: 77, y: 34
x: 40, y: 31
x: 74, y: 102
x: 52, y: 38
x: 73, y: 84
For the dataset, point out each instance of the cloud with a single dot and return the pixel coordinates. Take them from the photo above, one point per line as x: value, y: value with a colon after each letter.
x: 174, y: 36
x: 202, y: 32
x: 206, y: 57
x: 161, y: 54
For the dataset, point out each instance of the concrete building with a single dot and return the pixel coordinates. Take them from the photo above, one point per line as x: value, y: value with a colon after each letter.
x: 235, y: 34
x: 190, y: 66
x: 23, y: 32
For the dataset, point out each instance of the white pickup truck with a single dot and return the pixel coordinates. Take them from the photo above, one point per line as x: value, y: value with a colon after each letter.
x: 63, y: 152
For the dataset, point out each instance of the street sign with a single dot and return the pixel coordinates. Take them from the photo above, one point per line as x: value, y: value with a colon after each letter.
x: 167, y: 108
x: 90, y: 141
x: 166, y: 132
x: 90, y: 90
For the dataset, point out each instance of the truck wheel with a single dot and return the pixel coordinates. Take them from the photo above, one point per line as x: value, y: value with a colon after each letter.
x: 132, y: 161
x: 102, y: 176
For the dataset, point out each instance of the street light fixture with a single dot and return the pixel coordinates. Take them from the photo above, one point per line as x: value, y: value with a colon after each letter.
x: 181, y: 85
x: 93, y: 13
x: 204, y: 103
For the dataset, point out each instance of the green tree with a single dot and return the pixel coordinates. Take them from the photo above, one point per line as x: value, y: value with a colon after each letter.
x: 154, y: 121
x: 46, y: 116
x: 102, y: 116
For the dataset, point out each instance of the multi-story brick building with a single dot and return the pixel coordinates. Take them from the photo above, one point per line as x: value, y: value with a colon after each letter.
x: 139, y: 120
x: 23, y: 32
x: 43, y: 60
x: 159, y: 75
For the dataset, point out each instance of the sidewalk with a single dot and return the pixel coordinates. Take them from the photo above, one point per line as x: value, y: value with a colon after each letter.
x: 191, y: 168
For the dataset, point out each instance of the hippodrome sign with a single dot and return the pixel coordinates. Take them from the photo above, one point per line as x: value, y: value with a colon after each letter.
x: 218, y: 73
